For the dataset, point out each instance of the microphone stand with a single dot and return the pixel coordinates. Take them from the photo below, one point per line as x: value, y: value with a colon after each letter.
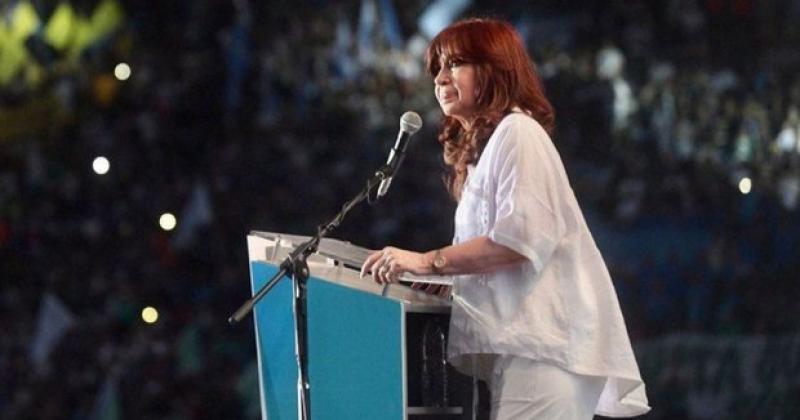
x: 296, y: 266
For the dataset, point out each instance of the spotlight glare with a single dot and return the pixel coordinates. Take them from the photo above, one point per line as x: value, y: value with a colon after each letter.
x: 101, y: 165
x: 122, y: 71
x: 150, y: 315
x: 167, y: 221
x: 745, y: 185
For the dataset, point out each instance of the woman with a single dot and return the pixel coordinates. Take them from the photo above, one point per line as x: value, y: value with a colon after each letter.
x: 534, y: 312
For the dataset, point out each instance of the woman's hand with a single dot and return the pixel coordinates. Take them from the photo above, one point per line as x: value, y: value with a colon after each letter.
x: 388, y: 264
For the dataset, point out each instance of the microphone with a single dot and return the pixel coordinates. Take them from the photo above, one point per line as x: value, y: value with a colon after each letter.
x: 410, y: 123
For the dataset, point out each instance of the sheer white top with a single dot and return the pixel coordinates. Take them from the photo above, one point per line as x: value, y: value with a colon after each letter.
x: 558, y: 306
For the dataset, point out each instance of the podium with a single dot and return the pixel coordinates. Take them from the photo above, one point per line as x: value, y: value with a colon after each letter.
x: 374, y: 352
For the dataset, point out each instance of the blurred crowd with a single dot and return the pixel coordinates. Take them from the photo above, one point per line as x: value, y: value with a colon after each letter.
x: 677, y: 120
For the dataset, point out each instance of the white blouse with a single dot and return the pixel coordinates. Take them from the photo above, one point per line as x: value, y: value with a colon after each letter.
x: 560, y: 305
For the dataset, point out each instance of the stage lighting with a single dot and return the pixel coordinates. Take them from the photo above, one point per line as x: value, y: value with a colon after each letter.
x: 150, y: 315
x: 122, y: 71
x: 101, y: 165
x: 167, y: 221
x: 745, y: 185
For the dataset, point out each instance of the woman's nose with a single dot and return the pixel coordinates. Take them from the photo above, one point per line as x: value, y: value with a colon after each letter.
x: 443, y: 76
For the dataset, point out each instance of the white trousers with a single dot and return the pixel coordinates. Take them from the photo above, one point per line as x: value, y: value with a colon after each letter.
x: 527, y: 389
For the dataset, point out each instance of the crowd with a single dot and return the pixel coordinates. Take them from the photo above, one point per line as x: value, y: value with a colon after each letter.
x: 247, y: 116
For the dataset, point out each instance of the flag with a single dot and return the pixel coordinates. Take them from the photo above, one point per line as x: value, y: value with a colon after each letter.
x: 55, y: 319
x: 106, y: 403
x: 197, y: 213
x: 439, y: 14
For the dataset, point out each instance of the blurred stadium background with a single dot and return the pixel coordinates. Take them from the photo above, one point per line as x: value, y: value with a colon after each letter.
x: 141, y: 141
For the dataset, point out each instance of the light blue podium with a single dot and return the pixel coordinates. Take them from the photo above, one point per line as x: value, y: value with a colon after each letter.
x: 363, y: 338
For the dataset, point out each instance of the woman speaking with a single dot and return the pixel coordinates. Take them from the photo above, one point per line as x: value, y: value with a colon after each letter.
x: 534, y: 312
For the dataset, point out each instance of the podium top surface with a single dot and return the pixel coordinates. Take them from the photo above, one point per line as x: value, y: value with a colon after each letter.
x: 340, y: 262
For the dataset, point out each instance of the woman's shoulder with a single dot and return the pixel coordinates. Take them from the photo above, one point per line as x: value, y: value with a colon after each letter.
x: 518, y: 134
x: 518, y: 125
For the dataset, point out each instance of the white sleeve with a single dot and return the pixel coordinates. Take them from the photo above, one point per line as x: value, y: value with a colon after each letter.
x: 527, y: 172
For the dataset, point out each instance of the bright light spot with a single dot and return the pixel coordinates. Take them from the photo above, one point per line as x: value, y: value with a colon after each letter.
x: 167, y: 221
x: 150, y: 315
x: 101, y: 165
x: 122, y: 71
x: 745, y: 185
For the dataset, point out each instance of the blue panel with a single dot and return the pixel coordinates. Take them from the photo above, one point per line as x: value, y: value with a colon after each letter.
x: 275, y: 334
x: 355, y: 354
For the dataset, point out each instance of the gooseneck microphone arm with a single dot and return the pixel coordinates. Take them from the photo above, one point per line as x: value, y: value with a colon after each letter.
x: 295, y: 263
x: 296, y: 259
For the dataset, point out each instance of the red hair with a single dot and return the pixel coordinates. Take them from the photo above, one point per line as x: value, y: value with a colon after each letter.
x: 506, y: 77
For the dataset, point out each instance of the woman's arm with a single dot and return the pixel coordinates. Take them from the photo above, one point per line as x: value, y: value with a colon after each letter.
x: 479, y: 255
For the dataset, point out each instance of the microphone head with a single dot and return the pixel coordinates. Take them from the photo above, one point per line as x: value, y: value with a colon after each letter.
x: 410, y: 122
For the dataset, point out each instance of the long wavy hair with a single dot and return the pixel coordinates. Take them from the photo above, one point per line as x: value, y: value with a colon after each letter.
x: 506, y: 77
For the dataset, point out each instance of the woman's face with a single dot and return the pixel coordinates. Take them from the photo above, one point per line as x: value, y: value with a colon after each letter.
x: 455, y: 89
